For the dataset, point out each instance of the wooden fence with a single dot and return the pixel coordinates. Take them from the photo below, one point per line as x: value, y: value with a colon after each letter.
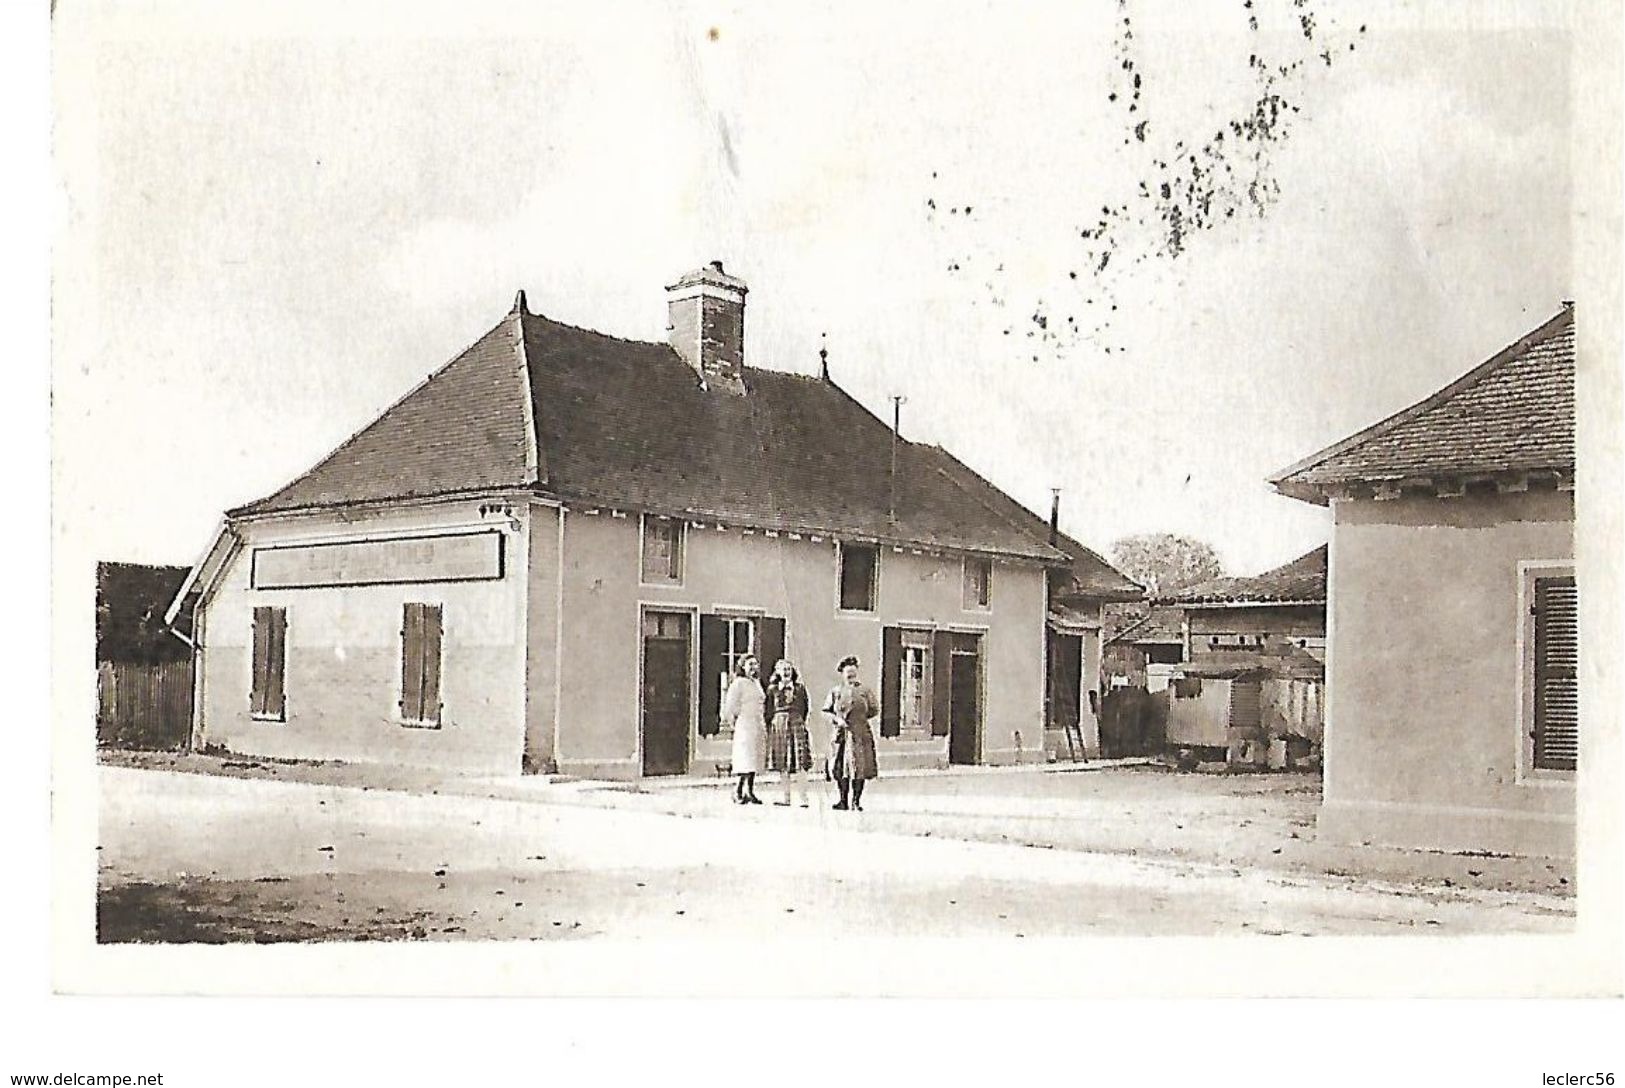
x: 143, y: 705
x: 1133, y: 722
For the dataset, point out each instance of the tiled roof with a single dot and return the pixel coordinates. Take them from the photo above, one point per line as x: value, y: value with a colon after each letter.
x: 1293, y: 664
x: 1088, y: 575
x: 627, y: 423
x: 1512, y: 414
x: 462, y: 429
x: 1301, y: 581
x: 1133, y: 622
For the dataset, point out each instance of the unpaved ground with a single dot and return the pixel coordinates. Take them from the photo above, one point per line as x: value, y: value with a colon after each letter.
x: 192, y: 857
x: 1254, y: 822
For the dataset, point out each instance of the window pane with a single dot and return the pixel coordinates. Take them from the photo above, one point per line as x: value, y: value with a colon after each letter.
x: 740, y: 643
x: 662, y: 550
x: 858, y: 577
x: 978, y: 582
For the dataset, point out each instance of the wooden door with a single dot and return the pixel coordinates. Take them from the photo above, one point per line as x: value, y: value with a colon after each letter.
x: 1065, y: 679
x: 667, y: 699
x: 964, y: 699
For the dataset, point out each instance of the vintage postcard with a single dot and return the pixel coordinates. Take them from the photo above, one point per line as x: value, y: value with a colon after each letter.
x: 917, y: 499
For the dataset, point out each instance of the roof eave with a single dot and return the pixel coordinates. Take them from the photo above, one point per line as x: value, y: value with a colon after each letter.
x: 1250, y: 602
x: 1282, y: 481
x: 1303, y: 492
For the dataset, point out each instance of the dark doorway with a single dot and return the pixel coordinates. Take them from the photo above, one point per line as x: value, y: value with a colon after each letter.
x: 965, y: 699
x: 666, y: 697
x: 1065, y: 679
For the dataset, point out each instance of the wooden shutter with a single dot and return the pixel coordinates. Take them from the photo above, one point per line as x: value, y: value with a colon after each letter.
x: 261, y: 652
x: 276, y: 665
x: 1246, y: 711
x: 412, y: 662
x: 1557, y: 685
x: 891, y: 681
x: 1051, y: 681
x: 713, y: 645
x: 769, y: 642
x: 433, y: 622
x: 941, y: 682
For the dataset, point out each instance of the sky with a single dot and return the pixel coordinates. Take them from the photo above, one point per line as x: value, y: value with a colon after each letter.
x: 276, y: 222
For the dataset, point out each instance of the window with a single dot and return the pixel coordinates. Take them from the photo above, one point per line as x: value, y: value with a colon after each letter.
x: 267, y: 698
x: 725, y: 640
x: 739, y: 643
x: 1552, y: 673
x: 421, y: 626
x: 916, y: 683
x: 662, y: 551
x: 908, y: 683
x: 859, y: 565
x: 978, y: 584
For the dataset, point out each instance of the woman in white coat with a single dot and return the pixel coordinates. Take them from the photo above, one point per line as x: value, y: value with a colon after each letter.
x: 744, y: 708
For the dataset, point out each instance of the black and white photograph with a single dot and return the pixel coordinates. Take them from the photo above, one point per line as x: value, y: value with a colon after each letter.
x: 916, y: 500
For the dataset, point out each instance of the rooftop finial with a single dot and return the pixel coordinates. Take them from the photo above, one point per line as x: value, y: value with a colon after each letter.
x: 519, y: 306
x: 823, y: 355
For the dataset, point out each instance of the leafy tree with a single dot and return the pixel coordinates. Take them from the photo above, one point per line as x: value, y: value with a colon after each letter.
x: 1186, y: 181
x: 1164, y: 562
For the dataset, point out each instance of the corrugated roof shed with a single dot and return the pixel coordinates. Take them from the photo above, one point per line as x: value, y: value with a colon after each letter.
x: 1513, y: 414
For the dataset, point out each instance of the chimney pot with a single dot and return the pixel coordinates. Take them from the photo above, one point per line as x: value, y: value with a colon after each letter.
x: 706, y: 325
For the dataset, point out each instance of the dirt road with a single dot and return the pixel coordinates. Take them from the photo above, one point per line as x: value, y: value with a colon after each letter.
x: 188, y: 857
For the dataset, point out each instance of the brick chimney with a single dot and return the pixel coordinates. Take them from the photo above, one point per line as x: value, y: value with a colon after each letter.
x: 706, y: 325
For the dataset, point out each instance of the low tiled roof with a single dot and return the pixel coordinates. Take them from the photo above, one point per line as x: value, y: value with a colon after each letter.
x: 462, y: 429
x: 1512, y: 414
x: 1294, y: 664
x: 587, y: 417
x: 1302, y: 581
x: 1139, y: 622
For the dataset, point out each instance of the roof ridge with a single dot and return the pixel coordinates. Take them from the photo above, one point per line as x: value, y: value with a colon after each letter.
x: 1034, y: 515
x: 983, y: 479
x: 361, y: 430
x: 1551, y: 327
x: 1218, y: 587
x: 535, y: 470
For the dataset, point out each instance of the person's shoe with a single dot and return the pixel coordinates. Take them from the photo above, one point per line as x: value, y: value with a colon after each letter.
x: 781, y: 804
x: 753, y: 800
x: 839, y: 805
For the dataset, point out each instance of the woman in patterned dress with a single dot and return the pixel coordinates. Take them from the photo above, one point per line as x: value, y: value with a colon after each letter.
x: 789, y: 749
x: 852, y: 743
x: 743, y: 709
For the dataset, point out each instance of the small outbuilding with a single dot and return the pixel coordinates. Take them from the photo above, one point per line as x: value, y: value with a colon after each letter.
x: 1453, y: 654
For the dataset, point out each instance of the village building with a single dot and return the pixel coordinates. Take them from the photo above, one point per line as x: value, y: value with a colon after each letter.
x: 1452, y: 713
x: 1251, y: 687
x: 552, y: 554
x: 1267, y: 615
x: 1142, y: 639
